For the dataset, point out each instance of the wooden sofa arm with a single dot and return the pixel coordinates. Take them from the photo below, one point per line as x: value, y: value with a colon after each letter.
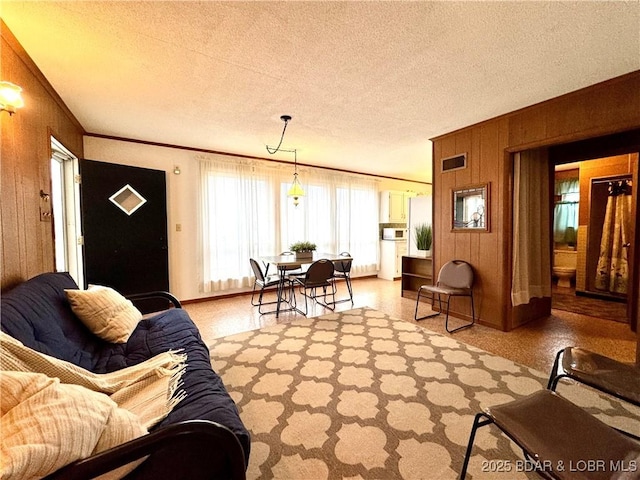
x: 151, y: 302
x: 158, y: 294
x: 196, y: 449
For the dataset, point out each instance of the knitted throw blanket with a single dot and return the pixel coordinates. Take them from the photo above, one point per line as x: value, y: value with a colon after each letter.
x: 150, y: 389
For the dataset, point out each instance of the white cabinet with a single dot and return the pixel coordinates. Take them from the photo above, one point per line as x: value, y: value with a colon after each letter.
x: 391, y: 253
x: 394, y: 206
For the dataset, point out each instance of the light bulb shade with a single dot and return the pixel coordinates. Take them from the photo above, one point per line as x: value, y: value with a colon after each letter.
x: 296, y: 189
x: 10, y: 97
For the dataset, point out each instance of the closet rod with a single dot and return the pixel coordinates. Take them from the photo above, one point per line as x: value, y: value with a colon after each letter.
x: 626, y: 178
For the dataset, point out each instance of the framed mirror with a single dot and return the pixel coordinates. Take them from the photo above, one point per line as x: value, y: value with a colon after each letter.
x: 470, y: 208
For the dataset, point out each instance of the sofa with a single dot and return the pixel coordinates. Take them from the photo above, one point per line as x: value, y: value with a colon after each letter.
x: 203, y: 435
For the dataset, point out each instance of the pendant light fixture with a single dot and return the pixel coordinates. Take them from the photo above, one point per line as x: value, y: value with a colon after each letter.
x: 296, y: 190
x: 286, y: 119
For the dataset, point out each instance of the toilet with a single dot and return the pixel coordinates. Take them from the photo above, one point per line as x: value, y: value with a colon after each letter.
x: 564, y: 266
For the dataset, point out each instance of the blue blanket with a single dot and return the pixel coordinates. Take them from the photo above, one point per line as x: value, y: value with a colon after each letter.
x: 38, y: 314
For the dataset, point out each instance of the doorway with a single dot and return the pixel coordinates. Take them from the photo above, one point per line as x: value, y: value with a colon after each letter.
x: 124, y: 213
x: 594, y: 251
x: 66, y: 216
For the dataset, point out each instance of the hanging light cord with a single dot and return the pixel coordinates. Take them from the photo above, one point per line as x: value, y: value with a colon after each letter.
x: 285, y: 119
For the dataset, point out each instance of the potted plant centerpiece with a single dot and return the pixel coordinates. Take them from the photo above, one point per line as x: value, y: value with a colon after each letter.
x: 424, y: 237
x: 303, y: 249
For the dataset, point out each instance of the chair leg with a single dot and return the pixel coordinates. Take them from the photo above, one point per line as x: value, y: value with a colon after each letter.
x: 415, y: 313
x: 292, y: 294
x: 260, y: 303
x: 473, y: 316
x: 349, y: 287
x: 348, y: 282
x: 333, y: 297
x: 554, y: 377
x: 253, y: 292
x: 295, y: 303
x: 324, y: 296
x: 477, y: 423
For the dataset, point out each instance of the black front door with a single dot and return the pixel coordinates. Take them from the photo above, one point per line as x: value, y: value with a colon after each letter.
x: 124, y: 220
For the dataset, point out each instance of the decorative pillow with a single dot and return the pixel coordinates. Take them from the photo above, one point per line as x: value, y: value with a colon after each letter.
x: 46, y: 424
x: 105, y: 312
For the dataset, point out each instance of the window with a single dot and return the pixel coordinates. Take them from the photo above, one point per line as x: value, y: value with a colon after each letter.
x: 565, y: 216
x: 245, y: 213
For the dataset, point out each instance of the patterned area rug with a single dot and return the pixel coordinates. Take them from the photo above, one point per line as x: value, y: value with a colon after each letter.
x: 358, y: 394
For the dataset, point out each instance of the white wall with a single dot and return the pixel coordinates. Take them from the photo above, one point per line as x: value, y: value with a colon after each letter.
x: 182, y: 199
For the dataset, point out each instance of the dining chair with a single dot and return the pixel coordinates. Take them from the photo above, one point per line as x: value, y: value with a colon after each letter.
x: 319, y: 275
x: 455, y: 279
x: 263, y: 281
x: 342, y: 269
x: 292, y: 269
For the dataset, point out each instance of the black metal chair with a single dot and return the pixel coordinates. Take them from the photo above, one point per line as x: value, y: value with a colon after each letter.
x: 262, y: 281
x: 319, y: 275
x: 292, y: 270
x: 455, y: 279
x: 555, y: 434
x: 342, y: 269
x: 601, y: 373
x: 610, y: 376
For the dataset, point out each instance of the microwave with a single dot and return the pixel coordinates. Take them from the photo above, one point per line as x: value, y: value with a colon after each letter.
x: 394, y: 233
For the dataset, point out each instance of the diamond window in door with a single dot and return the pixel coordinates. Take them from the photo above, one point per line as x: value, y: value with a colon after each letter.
x: 127, y: 199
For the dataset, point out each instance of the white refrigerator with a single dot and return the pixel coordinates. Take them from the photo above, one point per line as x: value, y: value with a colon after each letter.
x: 420, y: 211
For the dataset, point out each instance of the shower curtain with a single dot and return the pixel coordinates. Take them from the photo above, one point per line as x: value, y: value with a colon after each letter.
x: 612, y: 274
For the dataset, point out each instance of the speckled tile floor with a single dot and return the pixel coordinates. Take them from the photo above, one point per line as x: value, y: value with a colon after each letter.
x: 534, y: 344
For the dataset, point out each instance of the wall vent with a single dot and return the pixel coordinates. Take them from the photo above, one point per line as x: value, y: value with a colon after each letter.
x: 457, y: 162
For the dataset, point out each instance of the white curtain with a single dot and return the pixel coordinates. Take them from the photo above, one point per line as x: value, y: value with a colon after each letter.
x: 245, y: 213
x: 531, y: 235
x: 238, y: 204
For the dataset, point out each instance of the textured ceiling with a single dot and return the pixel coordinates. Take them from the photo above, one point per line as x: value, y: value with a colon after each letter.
x: 367, y: 83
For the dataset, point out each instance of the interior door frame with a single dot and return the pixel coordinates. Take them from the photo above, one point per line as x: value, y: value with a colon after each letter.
x: 127, y: 255
x: 625, y: 143
x: 72, y: 215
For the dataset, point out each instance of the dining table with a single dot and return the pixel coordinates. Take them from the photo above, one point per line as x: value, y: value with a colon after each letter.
x: 285, y: 263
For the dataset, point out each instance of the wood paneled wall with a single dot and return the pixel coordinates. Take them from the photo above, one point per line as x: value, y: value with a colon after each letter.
x: 27, y: 243
x: 609, y: 107
x: 486, y: 160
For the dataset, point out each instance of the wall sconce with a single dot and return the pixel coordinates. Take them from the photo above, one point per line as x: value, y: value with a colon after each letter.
x: 176, y: 170
x: 10, y: 97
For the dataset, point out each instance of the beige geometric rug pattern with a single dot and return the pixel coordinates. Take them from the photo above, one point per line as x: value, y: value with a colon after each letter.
x: 360, y: 395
